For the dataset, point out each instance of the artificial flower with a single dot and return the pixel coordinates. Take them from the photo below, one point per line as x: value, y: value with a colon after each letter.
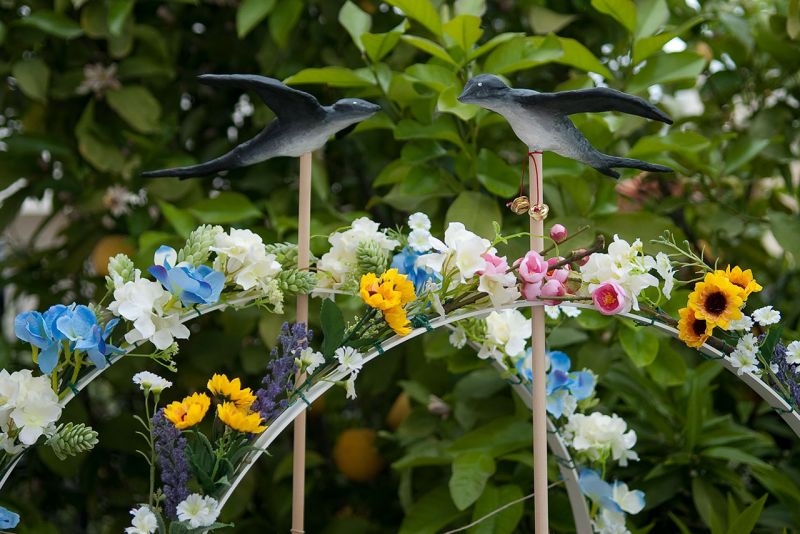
x: 745, y: 323
x: 497, y: 282
x: 564, y: 388
x: 609, y: 521
x: 189, y: 411
x: 223, y: 388
x: 241, y: 419
x: 419, y: 240
x: 561, y: 274
x: 716, y: 300
x: 192, y: 285
x: 553, y: 288
x: 766, y: 316
x: 350, y: 386
x: 378, y: 294
x: 616, y: 496
x: 743, y: 361
x: 558, y: 233
x: 610, y: 298
x: 143, y: 302
x: 793, y: 353
x: 350, y: 360
x: 242, y: 256
x: 532, y: 267
x: 598, y: 435
x: 144, y: 521
x: 691, y: 330
x: 461, y: 253
x: 419, y: 221
x: 28, y: 402
x: 151, y: 382
x: 458, y: 337
x: 198, y: 510
x: 8, y: 519
x: 742, y: 279
x: 406, y: 263
x: 309, y: 360
x: 631, y: 502
x: 506, y: 333
x: 666, y: 272
x: 397, y: 320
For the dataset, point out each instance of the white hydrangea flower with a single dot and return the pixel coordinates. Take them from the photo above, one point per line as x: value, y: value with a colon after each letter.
x: 148, y: 381
x: 501, y: 288
x: 350, y: 360
x: 462, y: 252
x: 597, y: 435
x: 198, y: 510
x: 766, y: 316
x: 309, y: 360
x: 793, y: 353
x: 631, y: 502
x: 419, y: 240
x: 745, y: 323
x: 30, y: 404
x: 142, y: 302
x: 610, y: 522
x: 458, y: 337
x: 419, y: 221
x: 144, y: 521
x: 506, y: 331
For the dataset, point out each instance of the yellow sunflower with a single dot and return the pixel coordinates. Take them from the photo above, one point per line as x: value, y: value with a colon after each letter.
x: 693, y: 331
x: 389, y: 290
x: 189, y: 411
x: 397, y: 319
x: 220, y: 386
x: 742, y: 279
x: 716, y: 300
x: 400, y: 283
x: 240, y: 419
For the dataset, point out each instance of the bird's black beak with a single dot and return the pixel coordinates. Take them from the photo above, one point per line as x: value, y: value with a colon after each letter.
x: 375, y: 108
x: 464, y: 97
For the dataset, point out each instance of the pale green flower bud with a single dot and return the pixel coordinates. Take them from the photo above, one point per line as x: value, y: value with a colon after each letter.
x: 196, y: 251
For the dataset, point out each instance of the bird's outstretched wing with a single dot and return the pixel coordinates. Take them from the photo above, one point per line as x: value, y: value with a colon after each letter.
x: 594, y: 100
x: 284, y: 101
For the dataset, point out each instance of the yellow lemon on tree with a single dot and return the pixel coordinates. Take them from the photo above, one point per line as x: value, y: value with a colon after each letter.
x: 108, y: 247
x: 356, y: 455
x: 399, y: 411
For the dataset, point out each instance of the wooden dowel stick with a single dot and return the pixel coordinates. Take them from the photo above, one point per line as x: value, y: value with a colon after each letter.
x: 539, y: 398
x: 303, y: 253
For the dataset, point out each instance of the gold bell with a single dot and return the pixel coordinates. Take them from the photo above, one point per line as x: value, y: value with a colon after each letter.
x: 539, y: 212
x: 519, y: 205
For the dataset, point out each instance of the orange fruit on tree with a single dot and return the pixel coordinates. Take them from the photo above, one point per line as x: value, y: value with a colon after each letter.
x: 399, y: 411
x: 108, y: 247
x: 356, y: 455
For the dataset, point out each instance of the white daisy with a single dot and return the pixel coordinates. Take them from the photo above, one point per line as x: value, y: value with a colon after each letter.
x: 766, y: 316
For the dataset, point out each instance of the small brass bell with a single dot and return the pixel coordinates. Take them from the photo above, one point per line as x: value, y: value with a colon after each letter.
x: 519, y: 205
x: 539, y: 212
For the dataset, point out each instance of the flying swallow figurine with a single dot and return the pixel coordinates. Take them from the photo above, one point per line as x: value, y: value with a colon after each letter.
x: 301, y: 125
x: 541, y: 120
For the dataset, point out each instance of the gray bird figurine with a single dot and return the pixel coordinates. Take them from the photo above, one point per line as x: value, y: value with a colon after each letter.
x: 301, y: 125
x: 541, y: 120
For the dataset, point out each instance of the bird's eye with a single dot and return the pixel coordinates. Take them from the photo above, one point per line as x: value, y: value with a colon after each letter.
x: 355, y: 103
x: 480, y: 84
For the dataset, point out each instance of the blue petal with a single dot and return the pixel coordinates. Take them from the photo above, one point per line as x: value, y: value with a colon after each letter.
x: 555, y: 404
x: 8, y: 519
x: 597, y: 489
x: 581, y: 384
x: 109, y: 327
x: 165, y: 256
x: 181, y: 281
x: 48, y: 358
x: 556, y: 380
x: 51, y: 316
x: 97, y: 357
x: 559, y: 361
x: 31, y: 327
x: 217, y: 281
x: 161, y: 274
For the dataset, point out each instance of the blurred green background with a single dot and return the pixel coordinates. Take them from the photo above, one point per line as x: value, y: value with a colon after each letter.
x: 96, y: 91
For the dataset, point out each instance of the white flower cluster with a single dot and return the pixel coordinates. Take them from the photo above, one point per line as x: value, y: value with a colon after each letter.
x: 350, y: 362
x: 507, y: 332
x: 598, y: 435
x: 627, y: 265
x: 198, y: 510
x: 341, y: 261
x: 793, y: 353
x: 151, y: 382
x: 462, y: 253
x: 241, y: 255
x: 144, y: 521
x: 309, y: 360
x: 744, y: 358
x: 28, y: 409
x: 420, y: 238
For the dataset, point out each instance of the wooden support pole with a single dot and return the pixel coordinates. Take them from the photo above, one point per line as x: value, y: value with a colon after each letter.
x: 539, y: 397
x: 303, y: 254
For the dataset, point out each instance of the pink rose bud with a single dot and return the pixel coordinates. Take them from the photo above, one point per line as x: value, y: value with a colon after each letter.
x: 553, y: 288
x: 558, y: 233
x: 532, y: 291
x: 532, y: 268
x: 610, y: 298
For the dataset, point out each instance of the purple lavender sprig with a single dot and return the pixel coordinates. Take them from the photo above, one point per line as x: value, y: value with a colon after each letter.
x: 786, y: 372
x: 281, y: 369
x: 172, y: 462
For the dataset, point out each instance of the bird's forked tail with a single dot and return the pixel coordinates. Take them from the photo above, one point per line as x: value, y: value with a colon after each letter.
x: 605, y: 164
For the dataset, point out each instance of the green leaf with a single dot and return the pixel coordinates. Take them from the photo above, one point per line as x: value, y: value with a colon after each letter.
x: 493, y: 498
x: 53, y: 23
x: 422, y: 11
x: 333, y: 76
x: 378, y: 45
x: 544, y: 21
x: 733, y: 455
x: 465, y: 30
x: 741, y: 151
x: 639, y: 344
x: 708, y: 501
x: 283, y: 20
x: 786, y: 229
x: 332, y: 324
x: 501, y: 436
x: 578, y: 56
x: 623, y: 11
x: 33, y: 78
x: 448, y: 103
x: 430, y: 513
x: 426, y: 45
x: 118, y: 11
x: 792, y: 20
x: 443, y: 128
x: 356, y: 21
x: 471, y: 471
x: 669, y: 368
x: 493, y: 43
x: 181, y: 220
x: 746, y: 521
x: 2, y: 32
x: 666, y: 68
x: 476, y: 211
x: 137, y: 106
x: 523, y: 53
x: 228, y: 207
x: 433, y: 76
x: 250, y: 13
x: 497, y: 176
x: 650, y: 16
x: 470, y: 7
x: 647, y: 46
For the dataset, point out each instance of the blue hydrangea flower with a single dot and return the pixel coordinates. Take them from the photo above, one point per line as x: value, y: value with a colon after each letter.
x: 561, y: 383
x: 405, y: 263
x: 615, y: 497
x: 8, y: 519
x: 192, y: 285
x: 75, y: 324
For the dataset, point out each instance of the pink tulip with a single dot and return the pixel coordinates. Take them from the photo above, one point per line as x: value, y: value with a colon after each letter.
x: 532, y: 268
x: 532, y: 290
x: 558, y: 233
x: 553, y: 288
x: 609, y: 298
x: 494, y: 265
